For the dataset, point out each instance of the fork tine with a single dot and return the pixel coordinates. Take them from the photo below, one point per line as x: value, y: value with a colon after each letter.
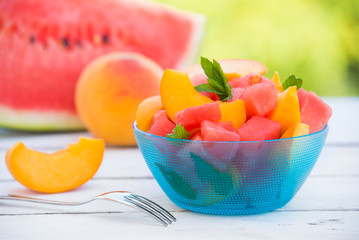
x: 147, y: 209
x: 151, y: 206
x: 155, y: 205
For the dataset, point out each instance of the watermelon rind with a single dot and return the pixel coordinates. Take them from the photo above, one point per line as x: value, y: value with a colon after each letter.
x: 39, y: 120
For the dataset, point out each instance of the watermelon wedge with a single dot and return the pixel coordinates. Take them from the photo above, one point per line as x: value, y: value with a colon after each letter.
x: 44, y: 45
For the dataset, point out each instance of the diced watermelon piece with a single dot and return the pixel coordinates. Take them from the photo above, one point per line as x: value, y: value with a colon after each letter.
x: 237, y: 93
x: 192, y: 117
x: 260, y: 99
x: 313, y: 111
x: 196, y: 136
x: 161, y: 124
x: 302, y: 96
x: 258, y: 129
x: 247, y: 80
x: 199, y: 79
x: 213, y: 132
x: 226, y: 125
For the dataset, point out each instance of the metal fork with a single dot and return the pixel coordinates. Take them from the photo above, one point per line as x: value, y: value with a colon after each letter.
x: 130, y: 199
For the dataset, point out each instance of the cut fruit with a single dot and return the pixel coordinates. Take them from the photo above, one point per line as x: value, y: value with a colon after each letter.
x: 237, y: 93
x: 196, y: 136
x: 287, y: 111
x: 44, y: 45
x: 146, y: 110
x: 275, y: 79
x: 57, y: 172
x: 260, y: 99
x: 234, y: 112
x: 213, y: 132
x: 232, y: 67
x: 259, y: 129
x: 192, y: 117
x: 161, y: 125
x: 247, y: 80
x: 314, y: 111
x: 296, y: 130
x: 178, y: 93
x: 302, y: 96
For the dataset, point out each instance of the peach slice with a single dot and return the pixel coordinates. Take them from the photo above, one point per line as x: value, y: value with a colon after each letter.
x: 275, y: 79
x: 232, y: 67
x: 234, y: 112
x: 178, y: 93
x: 56, y: 172
x: 296, y: 130
x: 287, y: 111
x: 146, y: 110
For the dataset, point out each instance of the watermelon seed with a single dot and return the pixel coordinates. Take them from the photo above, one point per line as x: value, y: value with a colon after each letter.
x: 32, y: 39
x: 65, y: 42
x: 105, y: 39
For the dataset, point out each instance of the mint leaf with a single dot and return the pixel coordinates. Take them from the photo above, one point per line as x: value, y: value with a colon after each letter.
x: 292, y: 80
x: 179, y: 133
x: 217, y: 80
x: 207, y: 88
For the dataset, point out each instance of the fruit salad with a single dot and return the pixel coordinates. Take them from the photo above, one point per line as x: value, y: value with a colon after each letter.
x: 231, y: 100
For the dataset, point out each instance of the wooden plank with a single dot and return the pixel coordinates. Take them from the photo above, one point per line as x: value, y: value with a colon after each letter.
x: 276, y: 225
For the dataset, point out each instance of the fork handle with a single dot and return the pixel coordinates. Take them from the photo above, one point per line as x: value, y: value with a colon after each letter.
x: 38, y: 200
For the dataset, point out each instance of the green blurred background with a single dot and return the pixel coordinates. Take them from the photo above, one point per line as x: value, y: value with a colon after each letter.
x: 315, y: 40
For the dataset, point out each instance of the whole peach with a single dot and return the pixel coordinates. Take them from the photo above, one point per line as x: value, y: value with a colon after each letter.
x: 109, y: 91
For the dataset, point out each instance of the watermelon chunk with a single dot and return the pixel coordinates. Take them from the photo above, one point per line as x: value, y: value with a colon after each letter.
x: 313, y: 111
x: 215, y: 132
x: 260, y: 99
x: 192, y: 117
x: 196, y: 136
x: 226, y: 125
x: 302, y: 96
x: 237, y: 93
x: 161, y: 124
x: 247, y: 80
x: 44, y: 46
x: 258, y: 129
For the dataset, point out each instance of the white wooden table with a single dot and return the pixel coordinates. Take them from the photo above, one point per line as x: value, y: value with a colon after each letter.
x: 326, y: 207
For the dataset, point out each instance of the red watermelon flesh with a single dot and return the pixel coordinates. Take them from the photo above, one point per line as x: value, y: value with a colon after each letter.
x: 258, y: 129
x: 302, y: 96
x: 247, y: 80
x: 199, y: 79
x: 192, y: 117
x: 260, y: 99
x: 44, y: 45
x: 213, y: 132
x: 196, y: 136
x: 237, y: 93
x: 313, y: 111
x: 226, y: 125
x: 161, y: 124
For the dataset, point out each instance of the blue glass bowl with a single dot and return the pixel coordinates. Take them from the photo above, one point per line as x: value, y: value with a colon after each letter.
x: 230, y: 178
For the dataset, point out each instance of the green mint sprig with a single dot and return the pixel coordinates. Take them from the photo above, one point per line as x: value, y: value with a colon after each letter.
x: 179, y: 132
x: 217, y: 80
x: 292, y: 80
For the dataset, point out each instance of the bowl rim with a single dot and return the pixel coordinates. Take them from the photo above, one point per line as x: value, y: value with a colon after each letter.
x: 135, y: 128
